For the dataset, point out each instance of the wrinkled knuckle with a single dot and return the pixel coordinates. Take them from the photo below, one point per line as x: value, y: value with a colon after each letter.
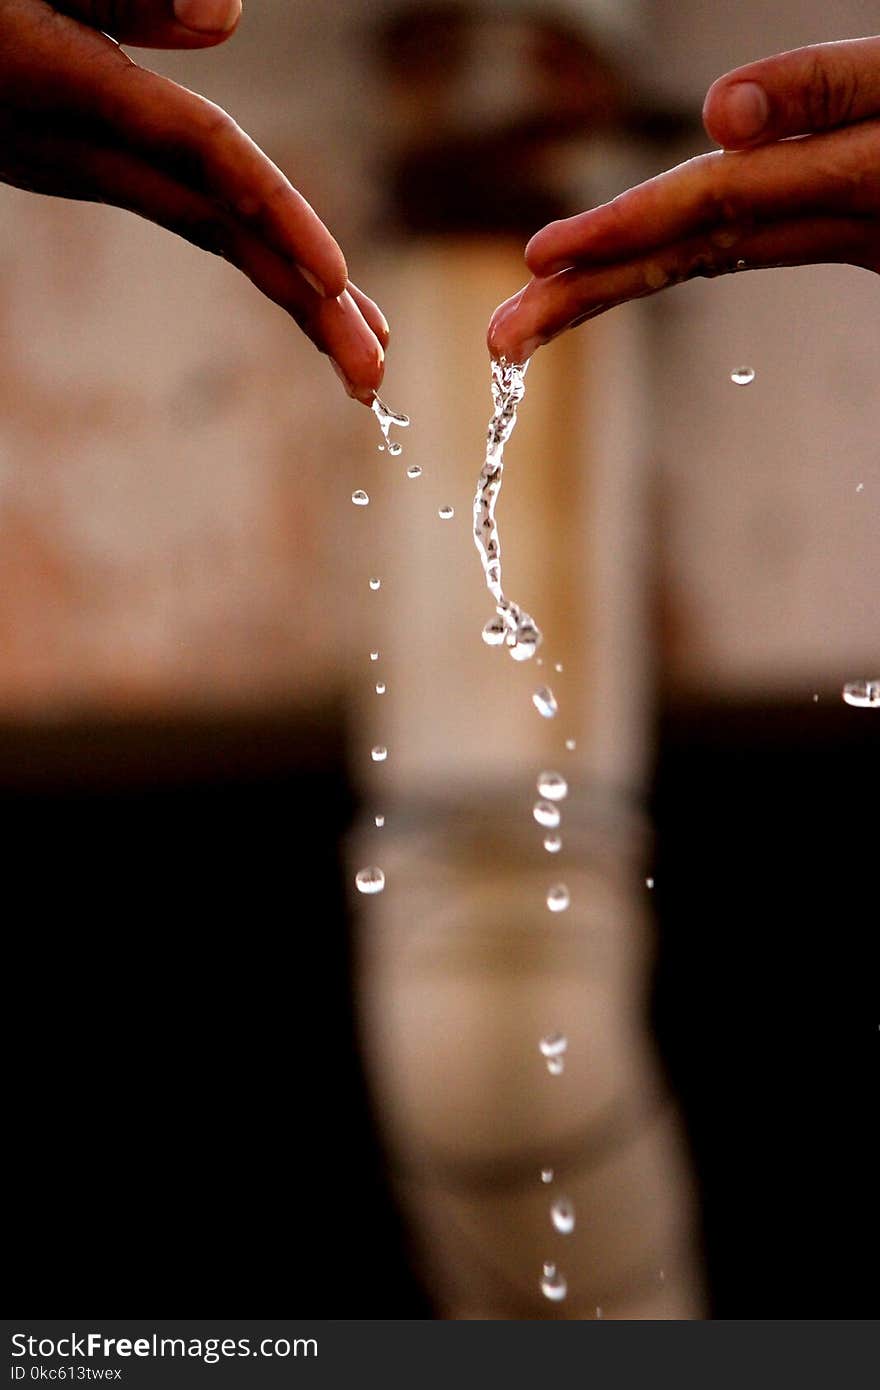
x: 831, y: 93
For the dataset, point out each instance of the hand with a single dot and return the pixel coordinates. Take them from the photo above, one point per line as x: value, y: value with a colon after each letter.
x: 764, y: 200
x: 79, y: 119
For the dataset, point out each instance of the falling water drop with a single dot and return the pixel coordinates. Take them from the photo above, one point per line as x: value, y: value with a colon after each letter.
x: 374, y: 656
x: 386, y: 419
x: 556, y: 1065
x: 742, y: 376
x: 559, y: 667
x: 863, y: 694
x: 553, y: 843
x: 394, y: 449
x: 860, y: 487
x: 553, y: 1045
x: 553, y: 1285
x: 649, y: 883
x: 414, y: 471
x: 375, y: 584
x: 360, y: 498
x: 446, y: 513
x: 379, y: 753
x: 380, y: 687
x: 370, y: 880
x: 552, y: 785
x: 562, y: 1216
x: 570, y: 744
x: 380, y: 821
x: 494, y: 632
x: 558, y: 897
x: 546, y: 1175
x: 546, y: 814
x: 545, y: 702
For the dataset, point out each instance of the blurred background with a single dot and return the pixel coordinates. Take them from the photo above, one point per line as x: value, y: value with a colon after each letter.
x: 233, y: 1084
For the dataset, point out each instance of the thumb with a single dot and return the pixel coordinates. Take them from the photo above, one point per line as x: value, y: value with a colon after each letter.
x: 796, y: 93
x: 158, y: 23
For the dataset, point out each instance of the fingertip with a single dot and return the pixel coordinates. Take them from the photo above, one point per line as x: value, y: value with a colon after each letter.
x: 735, y: 113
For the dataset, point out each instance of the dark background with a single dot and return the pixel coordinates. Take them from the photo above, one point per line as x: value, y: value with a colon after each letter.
x: 188, y: 1125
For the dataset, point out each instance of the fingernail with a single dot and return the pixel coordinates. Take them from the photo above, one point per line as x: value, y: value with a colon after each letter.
x: 207, y: 16
x: 746, y: 110
x: 312, y: 280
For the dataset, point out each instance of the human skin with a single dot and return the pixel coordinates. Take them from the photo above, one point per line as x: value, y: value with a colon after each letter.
x: 79, y: 119
x: 796, y: 182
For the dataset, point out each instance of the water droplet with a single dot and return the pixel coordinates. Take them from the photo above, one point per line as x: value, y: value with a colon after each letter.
x: 380, y: 687
x: 553, y: 843
x: 815, y: 699
x: 380, y: 821
x: 662, y: 1273
x: 546, y: 814
x: 386, y: 419
x: 562, y: 1216
x: 360, y: 498
x: 379, y: 753
x: 863, y: 694
x: 553, y: 1285
x: 414, y: 471
x: 556, y: 1065
x: 374, y: 656
x: 546, y: 1175
x: 558, y: 897
x: 649, y: 883
x: 394, y: 449
x: 446, y: 513
x: 598, y: 1312
x: 545, y: 702
x: 740, y: 265
x: 742, y: 376
x: 540, y: 661
x: 370, y: 880
x: 553, y: 1045
x: 571, y: 744
x: 525, y: 643
x: 860, y: 487
x: 375, y: 584
x: 558, y: 667
x: 552, y: 785
x: 494, y: 632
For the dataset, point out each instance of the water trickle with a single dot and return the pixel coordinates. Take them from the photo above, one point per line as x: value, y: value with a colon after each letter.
x: 545, y: 702
x: 546, y: 814
x: 379, y: 753
x: 553, y: 1285
x: 386, y: 419
x: 863, y: 694
x: 562, y: 1216
x: 414, y: 471
x: 494, y: 632
x: 522, y: 635
x: 558, y: 897
x: 742, y: 376
x: 380, y: 821
x: 380, y: 687
x: 546, y: 1175
x: 371, y: 880
x: 552, y: 785
x: 360, y: 498
x: 375, y: 584
x: 446, y: 513
x: 553, y: 843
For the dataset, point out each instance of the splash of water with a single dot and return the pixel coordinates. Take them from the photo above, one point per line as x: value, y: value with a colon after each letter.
x: 521, y: 634
x: 386, y: 419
